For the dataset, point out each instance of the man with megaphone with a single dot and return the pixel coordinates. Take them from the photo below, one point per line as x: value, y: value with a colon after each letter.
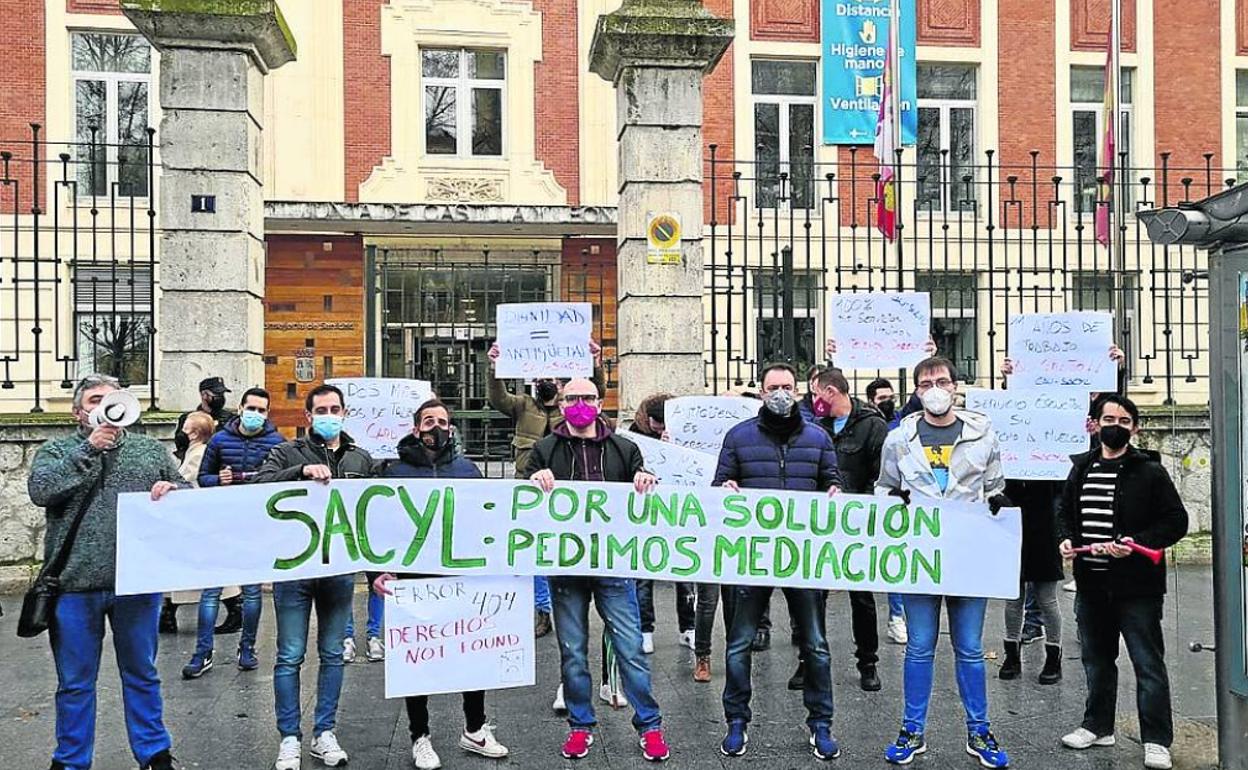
x: 77, y: 479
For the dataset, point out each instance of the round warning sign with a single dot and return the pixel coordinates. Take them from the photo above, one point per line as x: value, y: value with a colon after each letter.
x: 663, y: 237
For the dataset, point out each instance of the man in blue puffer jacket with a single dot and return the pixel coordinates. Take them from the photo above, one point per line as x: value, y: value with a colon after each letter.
x: 779, y: 450
x: 233, y: 456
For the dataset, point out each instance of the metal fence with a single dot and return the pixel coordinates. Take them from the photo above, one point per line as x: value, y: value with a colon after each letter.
x: 77, y: 263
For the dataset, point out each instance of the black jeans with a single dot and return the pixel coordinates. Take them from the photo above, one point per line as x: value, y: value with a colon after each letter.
x: 686, y: 594
x: 866, y: 630
x: 708, y: 596
x: 1103, y: 618
x: 418, y: 713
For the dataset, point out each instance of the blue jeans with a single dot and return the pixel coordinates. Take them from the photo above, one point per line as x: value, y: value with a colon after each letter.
x: 77, y: 637
x: 896, y: 609
x: 966, y: 630
x: 807, y: 607
x: 210, y: 601
x: 616, y: 600
x: 541, y: 594
x: 376, y: 614
x: 293, y: 603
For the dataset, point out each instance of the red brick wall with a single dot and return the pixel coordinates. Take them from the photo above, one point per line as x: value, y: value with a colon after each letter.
x: 93, y: 6
x: 948, y: 22
x: 855, y: 189
x: 556, y: 100
x: 788, y: 20
x: 366, y: 92
x: 1089, y: 24
x: 1241, y: 26
x: 1187, y: 57
x: 1028, y: 102
x: 23, y: 83
x: 717, y: 122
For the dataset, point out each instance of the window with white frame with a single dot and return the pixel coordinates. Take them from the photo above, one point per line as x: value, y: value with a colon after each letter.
x: 1241, y: 124
x: 463, y: 90
x: 113, y: 320
x: 1087, y: 107
x: 784, y: 132
x: 112, y: 76
x: 946, y: 140
x: 769, y: 290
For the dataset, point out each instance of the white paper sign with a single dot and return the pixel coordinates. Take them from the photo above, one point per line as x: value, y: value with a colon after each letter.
x: 379, y: 411
x: 700, y: 422
x: 881, y: 330
x: 458, y: 634
x: 1038, y: 430
x: 1063, y: 350
x: 674, y: 464
x: 544, y: 339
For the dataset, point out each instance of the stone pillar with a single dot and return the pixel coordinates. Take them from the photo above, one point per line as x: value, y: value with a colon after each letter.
x: 214, y: 58
x: 655, y: 53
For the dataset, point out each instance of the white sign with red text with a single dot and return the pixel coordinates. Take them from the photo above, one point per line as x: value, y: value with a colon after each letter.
x: 458, y: 634
x: 1038, y: 430
x: 544, y: 339
x: 881, y: 330
x: 1063, y: 350
x: 379, y: 411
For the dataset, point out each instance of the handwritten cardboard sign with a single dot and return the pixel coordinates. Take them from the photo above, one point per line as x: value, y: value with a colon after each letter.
x: 1038, y: 430
x: 700, y: 422
x: 881, y: 330
x: 1063, y: 350
x: 379, y: 411
x: 674, y: 464
x: 544, y: 339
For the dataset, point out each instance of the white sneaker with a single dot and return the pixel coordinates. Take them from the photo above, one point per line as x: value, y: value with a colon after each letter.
x: 559, y: 705
x: 348, y: 650
x: 686, y: 639
x: 647, y: 642
x: 614, y: 699
x: 376, y: 650
x: 326, y: 749
x: 423, y: 755
x: 483, y: 742
x: 1157, y: 757
x: 289, y: 754
x: 1085, y: 739
x: 1070, y: 587
x: 897, y: 633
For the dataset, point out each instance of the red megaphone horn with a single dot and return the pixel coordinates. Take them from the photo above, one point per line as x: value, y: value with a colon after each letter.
x: 1155, y: 555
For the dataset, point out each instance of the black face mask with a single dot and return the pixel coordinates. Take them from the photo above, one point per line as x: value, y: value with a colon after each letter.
x: 887, y: 408
x: 1115, y: 436
x: 436, y: 439
x: 217, y: 402
x: 546, y: 390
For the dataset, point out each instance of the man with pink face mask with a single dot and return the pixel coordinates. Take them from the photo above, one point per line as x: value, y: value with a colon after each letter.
x: 584, y: 448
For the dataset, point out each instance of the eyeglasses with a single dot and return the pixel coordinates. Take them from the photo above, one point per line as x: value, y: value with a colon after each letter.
x: 573, y: 398
x: 943, y: 382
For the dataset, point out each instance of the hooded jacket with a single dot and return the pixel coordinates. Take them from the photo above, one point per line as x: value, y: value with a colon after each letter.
x: 229, y: 447
x: 975, y: 472
x: 575, y: 459
x: 805, y: 461
x: 531, y: 420
x: 858, y: 447
x: 1147, y: 508
x: 415, y: 463
x: 285, y: 461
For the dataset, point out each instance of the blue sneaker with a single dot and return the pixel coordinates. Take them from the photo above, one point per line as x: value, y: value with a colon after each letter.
x: 735, y: 741
x: 824, y: 745
x: 198, y: 666
x: 247, y: 660
x: 904, y: 750
x: 983, y: 745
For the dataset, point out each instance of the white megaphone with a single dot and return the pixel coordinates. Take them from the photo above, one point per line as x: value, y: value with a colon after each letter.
x: 119, y: 409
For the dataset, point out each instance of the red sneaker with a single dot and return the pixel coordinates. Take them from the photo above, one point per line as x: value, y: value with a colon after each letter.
x: 654, y: 746
x: 578, y: 743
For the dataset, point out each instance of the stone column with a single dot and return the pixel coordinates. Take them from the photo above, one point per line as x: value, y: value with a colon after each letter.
x: 214, y: 58
x: 655, y: 53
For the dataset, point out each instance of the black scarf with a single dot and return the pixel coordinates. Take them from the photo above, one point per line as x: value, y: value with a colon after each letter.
x: 782, y: 428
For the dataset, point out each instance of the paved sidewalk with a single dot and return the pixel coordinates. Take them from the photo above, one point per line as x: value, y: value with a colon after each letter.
x: 225, y: 720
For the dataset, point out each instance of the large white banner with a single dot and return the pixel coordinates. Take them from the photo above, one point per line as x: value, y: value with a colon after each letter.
x: 262, y: 533
x: 457, y: 634
x: 881, y: 330
x: 1063, y: 350
x: 700, y: 422
x: 1038, y: 430
x: 379, y: 411
x: 674, y: 464
x: 544, y: 339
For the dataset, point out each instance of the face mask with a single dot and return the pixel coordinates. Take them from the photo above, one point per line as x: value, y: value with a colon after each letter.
x: 436, y: 438
x: 217, y: 402
x: 937, y: 401
x: 251, y: 421
x: 546, y: 390
x: 1115, y: 436
x: 327, y: 426
x: 821, y: 408
x: 887, y: 408
x: 581, y: 414
x: 779, y: 402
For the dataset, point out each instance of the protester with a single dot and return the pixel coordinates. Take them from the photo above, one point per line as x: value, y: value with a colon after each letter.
x: 1116, y: 496
x: 778, y: 450
x: 430, y: 452
x: 325, y: 453
x: 233, y: 456
x: 951, y: 454
x: 858, y: 432
x: 533, y: 417
x: 812, y: 409
x: 199, y: 428
x: 583, y: 447
x: 78, y: 477
x: 881, y: 394
x: 374, y: 649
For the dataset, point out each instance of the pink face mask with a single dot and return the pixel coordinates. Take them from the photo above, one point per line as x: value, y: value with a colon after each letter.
x: 821, y: 408
x: 581, y: 414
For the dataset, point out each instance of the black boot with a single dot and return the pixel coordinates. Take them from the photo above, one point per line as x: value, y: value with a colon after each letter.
x: 762, y: 640
x: 162, y: 761
x: 798, y: 680
x: 541, y: 623
x: 869, y: 678
x: 233, y: 622
x: 168, y: 618
x: 1013, y: 666
x: 1052, y: 672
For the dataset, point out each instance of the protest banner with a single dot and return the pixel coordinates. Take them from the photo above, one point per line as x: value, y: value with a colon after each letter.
x: 1062, y: 350
x: 674, y: 464
x: 880, y: 330
x: 1038, y: 430
x: 379, y: 411
x: 262, y: 533
x: 700, y: 422
x: 458, y: 634
x: 544, y: 339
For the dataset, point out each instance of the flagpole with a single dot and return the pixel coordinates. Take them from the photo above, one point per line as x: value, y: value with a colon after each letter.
x: 894, y: 54
x: 1117, y: 214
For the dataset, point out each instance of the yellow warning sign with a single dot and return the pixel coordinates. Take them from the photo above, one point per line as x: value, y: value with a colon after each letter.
x: 663, y: 239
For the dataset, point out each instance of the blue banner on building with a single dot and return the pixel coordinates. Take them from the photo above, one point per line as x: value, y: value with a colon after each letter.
x: 855, y: 45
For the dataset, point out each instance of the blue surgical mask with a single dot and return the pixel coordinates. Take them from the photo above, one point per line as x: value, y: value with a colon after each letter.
x: 327, y: 426
x: 251, y: 421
